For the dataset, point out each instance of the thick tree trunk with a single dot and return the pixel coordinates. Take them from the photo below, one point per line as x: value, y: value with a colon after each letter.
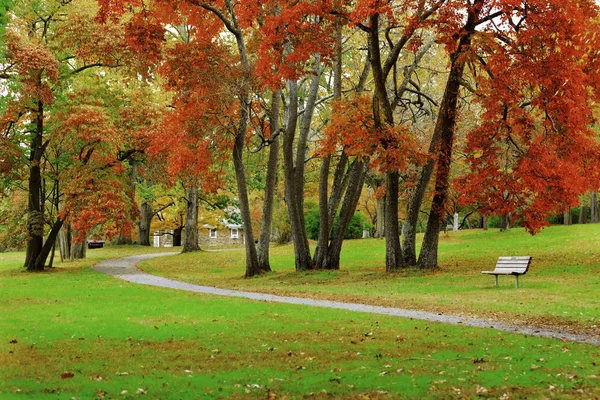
x: 504, y: 223
x: 78, y: 248
x: 594, y: 205
x: 583, y: 215
x: 568, y: 217
x: 356, y: 179
x: 146, y: 215
x: 324, y: 227
x: 484, y: 222
x: 190, y: 242
x: 394, y: 259
x: 409, y: 230
x: 65, y: 242
x: 40, y: 262
x: 294, y: 168
x: 428, y: 257
x: 264, y: 240
x: 380, y: 218
x: 252, y: 267
x: 177, y: 236
x: 35, y: 215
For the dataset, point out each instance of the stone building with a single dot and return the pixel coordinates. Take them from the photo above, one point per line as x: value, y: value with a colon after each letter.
x: 221, y: 235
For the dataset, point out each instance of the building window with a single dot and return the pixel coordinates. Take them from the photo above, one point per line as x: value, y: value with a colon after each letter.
x: 234, y: 234
x: 213, y: 233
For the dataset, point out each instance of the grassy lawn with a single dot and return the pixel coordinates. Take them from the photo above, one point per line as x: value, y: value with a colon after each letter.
x: 75, y: 333
x: 556, y: 291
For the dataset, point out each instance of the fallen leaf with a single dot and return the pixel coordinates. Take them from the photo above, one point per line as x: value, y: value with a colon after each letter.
x: 67, y: 375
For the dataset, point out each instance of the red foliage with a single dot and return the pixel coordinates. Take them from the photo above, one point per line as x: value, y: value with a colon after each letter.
x: 352, y: 128
x: 534, y: 152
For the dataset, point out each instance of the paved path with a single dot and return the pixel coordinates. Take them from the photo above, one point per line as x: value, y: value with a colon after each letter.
x: 125, y: 268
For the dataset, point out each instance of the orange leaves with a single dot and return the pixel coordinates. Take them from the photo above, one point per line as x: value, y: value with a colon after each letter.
x: 289, y: 35
x: 352, y: 128
x: 530, y: 155
x: 35, y: 66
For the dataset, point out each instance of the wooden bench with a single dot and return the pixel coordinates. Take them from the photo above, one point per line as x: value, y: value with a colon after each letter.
x: 510, y: 266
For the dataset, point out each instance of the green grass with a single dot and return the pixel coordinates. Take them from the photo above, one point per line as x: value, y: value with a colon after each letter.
x: 555, y: 292
x: 75, y: 333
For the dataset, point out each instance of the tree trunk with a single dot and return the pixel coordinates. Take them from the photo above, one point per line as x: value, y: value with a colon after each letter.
x: 177, y: 236
x: 324, y: 227
x: 294, y: 168
x: 380, y: 218
x: 583, y: 215
x: 252, y: 267
x: 264, y: 240
x: 65, y: 242
x: 190, y: 242
x: 356, y: 178
x: 340, y: 183
x: 78, y: 248
x: 505, y: 223
x: 35, y: 215
x: 144, y: 223
x: 446, y: 121
x: 40, y: 262
x: 594, y: 205
x: 568, y: 217
x: 484, y: 222
x: 394, y: 259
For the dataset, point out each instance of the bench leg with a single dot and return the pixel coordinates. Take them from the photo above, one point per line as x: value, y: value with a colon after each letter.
x: 496, y: 276
x: 517, y: 281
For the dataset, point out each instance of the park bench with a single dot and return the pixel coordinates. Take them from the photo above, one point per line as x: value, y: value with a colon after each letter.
x: 510, y: 266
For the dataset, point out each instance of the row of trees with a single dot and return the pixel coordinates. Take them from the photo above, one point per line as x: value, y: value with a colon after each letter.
x: 489, y: 103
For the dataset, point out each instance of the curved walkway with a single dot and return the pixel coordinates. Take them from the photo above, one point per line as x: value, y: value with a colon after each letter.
x: 125, y: 268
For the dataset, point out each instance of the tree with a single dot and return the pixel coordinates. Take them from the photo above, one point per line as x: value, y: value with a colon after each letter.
x: 43, y: 56
x: 536, y: 125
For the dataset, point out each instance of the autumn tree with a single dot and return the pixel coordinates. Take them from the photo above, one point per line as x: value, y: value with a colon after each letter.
x: 538, y: 92
x: 49, y: 46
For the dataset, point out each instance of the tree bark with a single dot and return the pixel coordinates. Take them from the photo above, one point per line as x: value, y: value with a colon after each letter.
x: 295, y: 170
x: 177, y: 236
x: 428, y: 257
x: 356, y: 180
x: 568, y: 217
x: 409, y: 230
x: 35, y: 214
x: 78, y: 248
x: 190, y: 242
x: 146, y: 215
x: 324, y: 227
x: 583, y: 215
x: 264, y: 240
x: 504, y: 223
x: 380, y: 218
x: 484, y: 222
x: 594, y: 205
x: 394, y: 259
x: 65, y: 242
x: 40, y: 262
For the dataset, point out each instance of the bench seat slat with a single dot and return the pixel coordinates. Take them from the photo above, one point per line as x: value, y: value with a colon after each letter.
x: 504, y: 272
x: 524, y: 266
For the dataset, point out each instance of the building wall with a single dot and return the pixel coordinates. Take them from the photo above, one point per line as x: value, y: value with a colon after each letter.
x: 223, y: 237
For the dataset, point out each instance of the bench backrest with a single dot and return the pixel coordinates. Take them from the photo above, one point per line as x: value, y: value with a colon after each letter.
x: 513, y: 265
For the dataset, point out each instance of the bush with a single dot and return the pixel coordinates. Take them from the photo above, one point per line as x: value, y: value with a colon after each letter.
x: 355, y: 230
